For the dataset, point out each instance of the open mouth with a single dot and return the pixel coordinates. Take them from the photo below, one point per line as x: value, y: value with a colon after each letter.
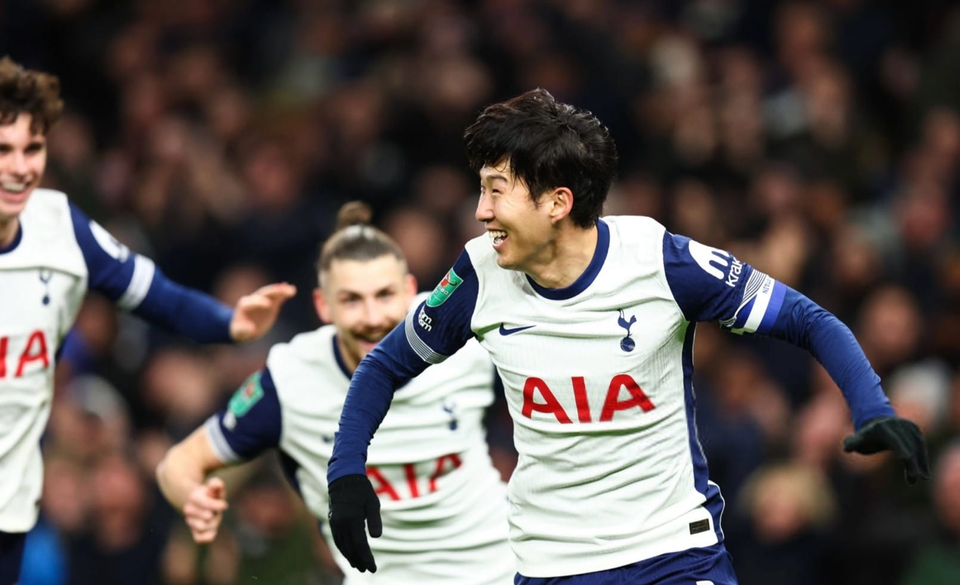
x: 13, y: 190
x: 13, y: 187
x: 498, y: 237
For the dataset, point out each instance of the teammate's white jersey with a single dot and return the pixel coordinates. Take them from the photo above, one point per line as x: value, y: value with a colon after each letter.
x: 43, y: 278
x: 444, y: 508
x: 56, y: 256
x: 598, y: 382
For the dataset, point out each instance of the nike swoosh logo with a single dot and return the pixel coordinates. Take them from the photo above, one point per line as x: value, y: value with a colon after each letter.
x: 505, y: 331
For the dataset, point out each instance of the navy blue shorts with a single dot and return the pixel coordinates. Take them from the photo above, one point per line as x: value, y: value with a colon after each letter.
x: 696, y: 566
x: 11, y: 554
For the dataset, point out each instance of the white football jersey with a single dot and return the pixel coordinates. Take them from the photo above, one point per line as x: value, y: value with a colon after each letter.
x: 598, y: 381
x: 443, y: 505
x: 44, y: 275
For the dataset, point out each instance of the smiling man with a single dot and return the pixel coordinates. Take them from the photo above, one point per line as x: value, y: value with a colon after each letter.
x: 50, y: 255
x: 444, y: 505
x: 591, y: 324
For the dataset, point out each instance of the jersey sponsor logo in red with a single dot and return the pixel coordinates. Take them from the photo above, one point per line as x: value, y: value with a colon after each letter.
x: 35, y: 350
x: 412, y: 486
x: 538, y: 397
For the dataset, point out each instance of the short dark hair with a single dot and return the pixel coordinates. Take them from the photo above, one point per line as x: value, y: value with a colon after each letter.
x: 24, y: 91
x: 547, y: 144
x: 356, y: 239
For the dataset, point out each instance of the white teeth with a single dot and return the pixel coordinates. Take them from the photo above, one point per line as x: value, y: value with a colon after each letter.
x: 497, y: 235
x: 13, y: 187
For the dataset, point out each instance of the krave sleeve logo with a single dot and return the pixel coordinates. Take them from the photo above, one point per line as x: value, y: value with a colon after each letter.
x: 717, y: 263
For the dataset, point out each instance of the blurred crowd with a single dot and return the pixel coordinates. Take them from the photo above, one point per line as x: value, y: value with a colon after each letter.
x: 818, y: 141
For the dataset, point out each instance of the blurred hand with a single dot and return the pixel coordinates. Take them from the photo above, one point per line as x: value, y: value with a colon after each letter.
x: 353, y: 503
x: 896, y: 434
x: 203, y: 511
x: 256, y: 313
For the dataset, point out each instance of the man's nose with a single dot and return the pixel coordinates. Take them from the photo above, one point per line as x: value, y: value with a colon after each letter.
x: 484, y: 209
x: 18, y: 164
x: 373, y: 314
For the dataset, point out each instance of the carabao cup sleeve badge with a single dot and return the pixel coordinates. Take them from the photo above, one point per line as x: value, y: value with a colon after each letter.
x: 249, y: 394
x: 443, y: 291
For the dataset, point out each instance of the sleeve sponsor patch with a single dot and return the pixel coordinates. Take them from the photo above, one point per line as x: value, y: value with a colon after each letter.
x: 443, y: 291
x: 248, y: 395
x: 108, y: 243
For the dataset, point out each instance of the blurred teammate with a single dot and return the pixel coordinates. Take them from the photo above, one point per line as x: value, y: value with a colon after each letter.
x: 50, y: 255
x: 444, y: 506
x: 591, y: 324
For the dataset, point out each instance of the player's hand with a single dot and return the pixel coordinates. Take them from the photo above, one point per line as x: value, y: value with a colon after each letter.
x: 892, y: 433
x: 203, y: 511
x: 353, y: 503
x: 256, y: 313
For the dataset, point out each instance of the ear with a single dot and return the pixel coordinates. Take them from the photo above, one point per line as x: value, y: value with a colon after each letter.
x: 410, y: 282
x: 321, y: 305
x: 561, y: 203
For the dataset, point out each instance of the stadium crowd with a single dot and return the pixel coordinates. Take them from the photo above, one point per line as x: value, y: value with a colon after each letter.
x: 818, y: 141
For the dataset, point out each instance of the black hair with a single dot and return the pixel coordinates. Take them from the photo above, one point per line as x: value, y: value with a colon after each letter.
x: 547, y: 144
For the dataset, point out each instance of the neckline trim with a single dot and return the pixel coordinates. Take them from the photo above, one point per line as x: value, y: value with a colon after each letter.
x: 16, y: 240
x: 588, y: 276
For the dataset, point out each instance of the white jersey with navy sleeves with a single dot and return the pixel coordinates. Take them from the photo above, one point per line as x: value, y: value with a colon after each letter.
x: 45, y: 272
x: 598, y: 382
x: 57, y: 255
x: 443, y: 505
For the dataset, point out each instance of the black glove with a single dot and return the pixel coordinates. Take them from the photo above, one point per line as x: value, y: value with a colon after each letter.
x: 896, y: 434
x: 353, y: 502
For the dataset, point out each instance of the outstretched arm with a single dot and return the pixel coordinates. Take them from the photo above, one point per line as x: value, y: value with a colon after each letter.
x: 878, y: 428
x: 709, y: 284
x: 134, y: 283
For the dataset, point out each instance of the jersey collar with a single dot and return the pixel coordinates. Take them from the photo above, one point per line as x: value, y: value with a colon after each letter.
x: 588, y: 276
x: 339, y: 357
x: 16, y: 240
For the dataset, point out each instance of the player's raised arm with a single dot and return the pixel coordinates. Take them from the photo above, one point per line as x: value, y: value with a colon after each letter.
x: 136, y: 284
x: 249, y: 425
x: 710, y: 284
x: 430, y: 333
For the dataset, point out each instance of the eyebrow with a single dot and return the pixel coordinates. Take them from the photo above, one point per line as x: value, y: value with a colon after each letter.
x: 348, y: 292
x: 494, y: 177
x: 32, y: 142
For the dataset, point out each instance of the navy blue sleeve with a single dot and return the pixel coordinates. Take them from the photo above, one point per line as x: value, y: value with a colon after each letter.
x: 186, y: 311
x: 250, y: 424
x: 709, y: 284
x: 441, y: 324
x: 135, y: 284
x: 809, y: 326
x: 430, y: 333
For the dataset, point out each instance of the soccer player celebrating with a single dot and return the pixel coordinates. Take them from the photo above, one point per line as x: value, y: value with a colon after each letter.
x: 444, y: 505
x: 591, y: 324
x: 50, y: 255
